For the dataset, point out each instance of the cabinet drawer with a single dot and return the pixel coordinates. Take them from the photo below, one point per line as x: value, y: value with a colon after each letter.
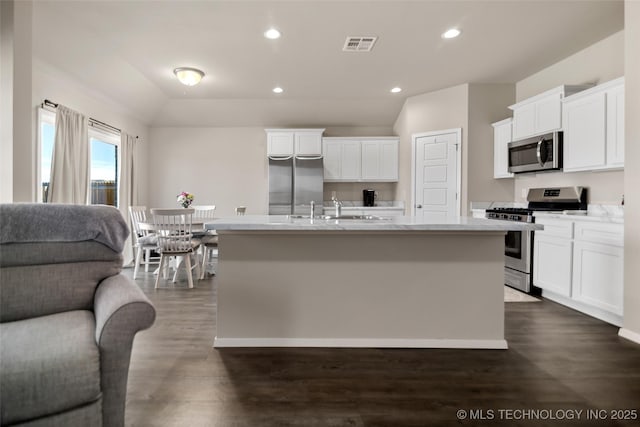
x: 555, y: 227
x: 608, y: 234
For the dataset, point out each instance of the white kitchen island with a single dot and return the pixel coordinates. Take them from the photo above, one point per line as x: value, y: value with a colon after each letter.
x: 398, y: 282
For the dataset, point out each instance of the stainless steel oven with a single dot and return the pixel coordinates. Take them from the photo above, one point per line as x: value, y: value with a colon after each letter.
x: 518, y: 249
x: 518, y: 245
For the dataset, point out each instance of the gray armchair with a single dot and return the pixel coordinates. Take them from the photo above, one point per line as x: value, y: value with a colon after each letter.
x: 67, y: 315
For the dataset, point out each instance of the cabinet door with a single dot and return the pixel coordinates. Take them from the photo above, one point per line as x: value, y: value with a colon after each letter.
x: 371, y: 159
x: 388, y: 160
x: 552, y: 264
x: 351, y: 161
x: 615, y: 127
x: 501, y: 137
x: 584, y: 133
x: 308, y: 143
x: 332, y: 160
x: 524, y: 121
x: 380, y: 160
x: 280, y: 143
x: 598, y: 275
x: 548, y: 115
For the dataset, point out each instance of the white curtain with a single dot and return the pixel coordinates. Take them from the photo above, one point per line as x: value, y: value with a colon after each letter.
x: 69, y: 181
x: 128, y: 190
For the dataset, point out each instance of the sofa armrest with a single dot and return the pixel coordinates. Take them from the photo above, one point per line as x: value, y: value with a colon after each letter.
x: 121, y: 310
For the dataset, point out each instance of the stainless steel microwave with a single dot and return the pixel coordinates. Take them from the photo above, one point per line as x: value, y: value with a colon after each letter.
x: 536, y: 154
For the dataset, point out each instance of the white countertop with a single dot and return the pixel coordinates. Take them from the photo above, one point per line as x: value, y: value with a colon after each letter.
x: 397, y: 223
x: 582, y: 216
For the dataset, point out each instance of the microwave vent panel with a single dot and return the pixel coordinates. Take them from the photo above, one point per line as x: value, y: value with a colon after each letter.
x: 359, y: 44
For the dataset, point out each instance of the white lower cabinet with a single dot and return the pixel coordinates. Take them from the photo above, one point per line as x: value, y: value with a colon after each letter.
x: 580, y: 264
x: 598, y: 266
x: 552, y: 264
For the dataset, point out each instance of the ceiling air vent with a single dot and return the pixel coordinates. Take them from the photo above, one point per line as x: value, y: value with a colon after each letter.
x: 359, y: 44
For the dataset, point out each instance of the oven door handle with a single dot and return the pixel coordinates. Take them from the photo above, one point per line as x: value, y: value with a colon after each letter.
x: 538, y: 154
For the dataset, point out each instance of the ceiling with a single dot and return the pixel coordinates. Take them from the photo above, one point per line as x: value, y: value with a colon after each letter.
x: 128, y: 49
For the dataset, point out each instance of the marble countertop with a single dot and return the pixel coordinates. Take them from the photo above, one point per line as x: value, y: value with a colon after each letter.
x: 396, y: 223
x: 586, y: 216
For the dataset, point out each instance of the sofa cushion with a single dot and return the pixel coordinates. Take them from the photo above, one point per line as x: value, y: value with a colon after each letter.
x: 48, y: 365
x: 21, y: 254
x: 40, y: 290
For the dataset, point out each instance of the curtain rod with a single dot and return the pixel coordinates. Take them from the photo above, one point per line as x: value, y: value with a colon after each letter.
x: 48, y: 103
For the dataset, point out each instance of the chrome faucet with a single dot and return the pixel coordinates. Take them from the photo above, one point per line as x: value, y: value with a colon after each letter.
x: 338, y: 204
x: 313, y: 206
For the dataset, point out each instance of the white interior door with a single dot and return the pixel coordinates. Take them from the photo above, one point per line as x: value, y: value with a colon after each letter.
x: 436, y: 176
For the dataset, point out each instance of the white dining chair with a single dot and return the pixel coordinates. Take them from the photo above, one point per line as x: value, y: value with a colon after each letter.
x: 145, y: 241
x: 175, y: 239
x: 209, y: 240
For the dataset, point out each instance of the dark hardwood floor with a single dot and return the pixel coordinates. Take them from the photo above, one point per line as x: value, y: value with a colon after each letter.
x: 559, y: 362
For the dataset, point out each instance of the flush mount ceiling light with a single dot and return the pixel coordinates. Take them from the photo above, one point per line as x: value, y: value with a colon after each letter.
x: 278, y: 90
x: 188, y: 76
x: 451, y: 33
x: 396, y: 90
x: 272, y: 34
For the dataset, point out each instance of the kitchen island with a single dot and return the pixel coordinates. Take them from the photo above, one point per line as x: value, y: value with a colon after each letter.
x: 394, y: 282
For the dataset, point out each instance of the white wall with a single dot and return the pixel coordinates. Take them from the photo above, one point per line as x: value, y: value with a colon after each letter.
x: 632, y: 170
x: 439, y: 110
x: 600, y: 62
x: 6, y: 101
x: 487, y: 104
x: 226, y: 167
x: 17, y: 152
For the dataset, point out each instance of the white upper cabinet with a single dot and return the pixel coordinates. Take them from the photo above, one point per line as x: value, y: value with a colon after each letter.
x: 360, y: 159
x: 308, y: 143
x: 289, y: 142
x: 542, y: 113
x: 280, y: 143
x: 380, y: 160
x: 594, y: 128
x: 501, y: 137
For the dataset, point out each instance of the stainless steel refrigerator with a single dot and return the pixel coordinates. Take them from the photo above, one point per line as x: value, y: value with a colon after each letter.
x: 294, y: 182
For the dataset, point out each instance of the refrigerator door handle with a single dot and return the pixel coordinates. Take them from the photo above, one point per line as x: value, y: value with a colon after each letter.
x: 280, y: 158
x: 308, y: 158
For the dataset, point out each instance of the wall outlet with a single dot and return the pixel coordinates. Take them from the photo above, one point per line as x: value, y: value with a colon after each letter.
x: 524, y: 192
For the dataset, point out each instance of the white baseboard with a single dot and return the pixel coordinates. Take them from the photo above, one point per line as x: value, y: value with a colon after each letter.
x: 630, y: 335
x: 360, y: 343
x: 589, y: 310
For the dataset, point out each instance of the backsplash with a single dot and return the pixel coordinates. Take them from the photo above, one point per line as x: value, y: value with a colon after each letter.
x: 353, y: 190
x: 604, y: 187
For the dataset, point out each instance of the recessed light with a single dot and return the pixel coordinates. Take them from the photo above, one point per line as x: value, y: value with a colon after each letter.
x: 272, y: 34
x: 278, y: 90
x: 396, y: 90
x: 451, y: 33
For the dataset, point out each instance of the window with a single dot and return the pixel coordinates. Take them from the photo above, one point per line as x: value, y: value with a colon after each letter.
x: 104, y: 160
x: 103, y: 171
x: 46, y: 135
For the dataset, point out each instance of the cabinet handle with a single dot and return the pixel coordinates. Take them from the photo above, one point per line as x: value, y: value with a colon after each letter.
x: 418, y: 206
x: 280, y: 158
x: 308, y: 158
x: 538, y: 152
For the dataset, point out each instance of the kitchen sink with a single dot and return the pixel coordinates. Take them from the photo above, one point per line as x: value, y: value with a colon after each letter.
x: 360, y: 217
x: 345, y: 217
